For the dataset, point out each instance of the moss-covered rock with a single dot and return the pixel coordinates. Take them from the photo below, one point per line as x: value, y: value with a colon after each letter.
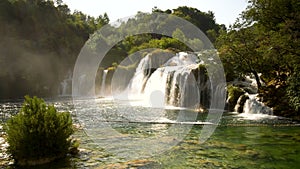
x: 234, y: 94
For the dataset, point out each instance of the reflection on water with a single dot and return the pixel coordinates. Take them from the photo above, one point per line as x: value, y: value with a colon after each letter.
x: 238, y: 141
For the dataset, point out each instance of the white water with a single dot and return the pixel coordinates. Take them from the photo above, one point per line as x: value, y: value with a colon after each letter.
x: 102, y: 91
x: 66, y: 85
x: 171, y: 84
x: 139, y: 79
x: 255, y: 110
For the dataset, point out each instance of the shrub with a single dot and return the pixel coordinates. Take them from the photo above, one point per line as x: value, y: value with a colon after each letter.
x: 38, y: 133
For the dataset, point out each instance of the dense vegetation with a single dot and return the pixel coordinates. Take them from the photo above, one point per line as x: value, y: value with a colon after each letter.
x: 265, y: 39
x: 38, y: 133
x: 204, y: 21
x: 41, y: 40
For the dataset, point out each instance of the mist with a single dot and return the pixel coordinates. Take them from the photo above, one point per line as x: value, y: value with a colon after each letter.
x: 27, y: 71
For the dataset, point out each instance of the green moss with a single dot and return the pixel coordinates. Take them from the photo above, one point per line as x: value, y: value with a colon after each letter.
x: 234, y: 94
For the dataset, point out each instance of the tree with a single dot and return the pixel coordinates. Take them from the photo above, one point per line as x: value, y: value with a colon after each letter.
x: 239, y: 48
x: 266, y: 39
x: 40, y: 41
x: 293, y: 92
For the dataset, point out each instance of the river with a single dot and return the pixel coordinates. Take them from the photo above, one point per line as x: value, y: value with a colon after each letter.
x: 239, y: 140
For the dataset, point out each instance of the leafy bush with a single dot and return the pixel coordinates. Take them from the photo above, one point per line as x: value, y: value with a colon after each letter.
x: 38, y: 132
x: 293, y: 91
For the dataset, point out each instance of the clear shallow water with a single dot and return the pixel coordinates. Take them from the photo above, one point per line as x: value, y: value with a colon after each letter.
x: 239, y: 141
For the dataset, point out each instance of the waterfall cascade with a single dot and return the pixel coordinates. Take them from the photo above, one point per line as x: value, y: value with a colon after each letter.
x: 170, y: 81
x: 66, y: 85
x: 103, y: 83
x: 249, y: 104
x: 254, y: 106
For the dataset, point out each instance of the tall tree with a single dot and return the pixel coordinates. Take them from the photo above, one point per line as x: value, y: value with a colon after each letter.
x: 266, y: 36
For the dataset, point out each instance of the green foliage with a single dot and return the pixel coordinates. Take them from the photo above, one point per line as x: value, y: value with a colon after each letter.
x: 38, y: 131
x: 38, y: 37
x: 204, y: 21
x: 48, y: 37
x: 239, y: 53
x: 293, y: 90
x: 265, y: 39
x: 178, y: 34
x: 143, y: 21
x: 163, y: 43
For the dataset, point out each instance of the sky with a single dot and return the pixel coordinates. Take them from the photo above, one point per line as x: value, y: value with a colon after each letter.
x: 226, y: 11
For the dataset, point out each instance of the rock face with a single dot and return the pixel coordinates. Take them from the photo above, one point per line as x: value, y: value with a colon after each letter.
x: 239, y: 107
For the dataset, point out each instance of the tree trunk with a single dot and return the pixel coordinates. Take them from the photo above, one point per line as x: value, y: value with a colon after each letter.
x: 257, y: 79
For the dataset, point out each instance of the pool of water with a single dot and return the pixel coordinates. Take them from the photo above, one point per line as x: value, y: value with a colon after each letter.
x: 122, y: 136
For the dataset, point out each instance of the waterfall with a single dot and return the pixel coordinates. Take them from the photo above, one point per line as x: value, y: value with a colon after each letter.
x: 253, y: 109
x: 138, y: 82
x: 164, y: 83
x: 253, y: 106
x: 65, y: 85
x: 154, y: 92
x: 248, y: 104
x: 102, y: 91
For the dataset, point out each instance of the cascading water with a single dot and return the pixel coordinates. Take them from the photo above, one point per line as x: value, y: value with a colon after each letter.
x: 253, y: 106
x: 171, y: 83
x: 249, y: 105
x: 103, y: 84
x: 253, y: 109
x: 138, y: 82
x: 65, y: 85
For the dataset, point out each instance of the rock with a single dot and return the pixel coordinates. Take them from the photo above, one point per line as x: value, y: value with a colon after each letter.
x: 234, y: 93
x: 239, y: 107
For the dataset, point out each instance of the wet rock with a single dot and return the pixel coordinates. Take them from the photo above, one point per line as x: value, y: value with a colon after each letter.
x: 234, y: 94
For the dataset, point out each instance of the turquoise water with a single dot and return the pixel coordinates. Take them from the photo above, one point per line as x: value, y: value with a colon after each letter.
x: 237, y: 142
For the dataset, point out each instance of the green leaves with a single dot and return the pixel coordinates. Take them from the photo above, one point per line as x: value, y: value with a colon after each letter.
x: 293, y: 90
x: 38, y: 38
x: 38, y: 131
x: 266, y: 40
